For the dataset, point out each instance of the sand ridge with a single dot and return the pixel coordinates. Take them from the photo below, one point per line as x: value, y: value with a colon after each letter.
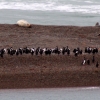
x: 27, y: 71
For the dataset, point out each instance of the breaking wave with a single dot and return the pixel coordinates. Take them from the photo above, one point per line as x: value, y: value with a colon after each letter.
x: 79, y: 6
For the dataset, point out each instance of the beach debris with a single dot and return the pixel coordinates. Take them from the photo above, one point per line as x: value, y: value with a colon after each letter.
x: 23, y: 23
x: 97, y: 24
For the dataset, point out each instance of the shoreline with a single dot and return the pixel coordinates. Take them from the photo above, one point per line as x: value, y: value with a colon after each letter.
x: 29, y: 71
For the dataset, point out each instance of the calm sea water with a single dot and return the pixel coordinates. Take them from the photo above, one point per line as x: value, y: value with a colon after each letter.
x: 90, y: 93
x: 51, y: 12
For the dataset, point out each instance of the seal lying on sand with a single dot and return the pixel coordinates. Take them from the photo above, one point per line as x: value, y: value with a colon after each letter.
x: 24, y: 23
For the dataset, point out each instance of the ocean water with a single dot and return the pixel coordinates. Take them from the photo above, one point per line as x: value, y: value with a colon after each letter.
x: 51, y: 12
x: 90, y: 93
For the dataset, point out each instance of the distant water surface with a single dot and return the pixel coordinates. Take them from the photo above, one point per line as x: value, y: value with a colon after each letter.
x: 51, y: 12
x: 89, y: 93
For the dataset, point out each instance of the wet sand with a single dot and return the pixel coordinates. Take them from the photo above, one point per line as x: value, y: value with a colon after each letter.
x: 27, y: 71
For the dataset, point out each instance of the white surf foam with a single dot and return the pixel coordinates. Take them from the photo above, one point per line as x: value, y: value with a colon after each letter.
x: 52, y: 6
x: 90, y: 88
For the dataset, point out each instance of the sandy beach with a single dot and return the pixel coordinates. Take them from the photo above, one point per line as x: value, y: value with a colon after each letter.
x: 27, y: 71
